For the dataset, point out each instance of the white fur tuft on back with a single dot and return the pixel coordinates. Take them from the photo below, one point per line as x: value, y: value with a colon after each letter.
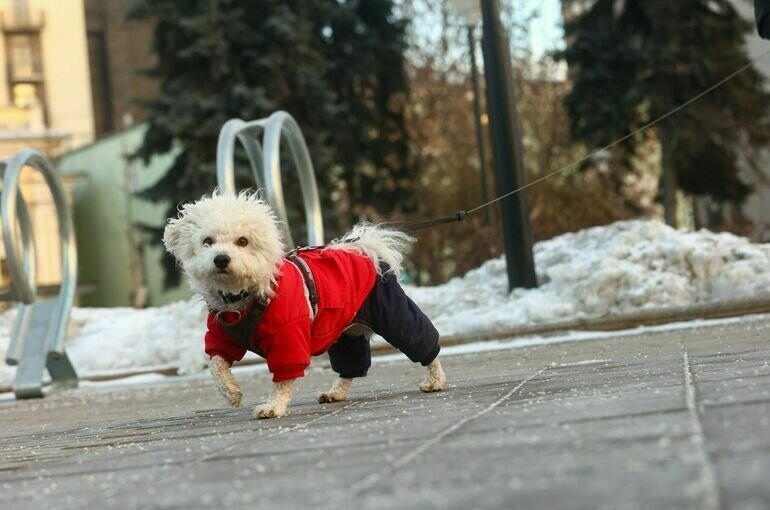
x: 381, y: 244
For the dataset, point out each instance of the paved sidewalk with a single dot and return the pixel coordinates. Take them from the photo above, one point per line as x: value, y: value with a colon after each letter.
x: 676, y: 419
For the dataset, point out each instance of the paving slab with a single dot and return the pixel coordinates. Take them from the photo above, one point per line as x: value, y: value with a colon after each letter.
x: 666, y: 419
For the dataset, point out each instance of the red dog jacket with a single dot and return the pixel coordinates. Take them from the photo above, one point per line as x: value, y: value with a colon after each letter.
x: 286, y: 336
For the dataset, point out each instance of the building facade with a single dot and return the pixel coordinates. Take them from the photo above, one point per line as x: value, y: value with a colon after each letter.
x: 116, y: 267
x: 45, y: 103
x: 120, y: 49
x: 70, y: 73
x: 45, y: 88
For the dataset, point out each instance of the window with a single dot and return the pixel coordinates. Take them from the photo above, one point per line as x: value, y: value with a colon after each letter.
x: 24, y: 57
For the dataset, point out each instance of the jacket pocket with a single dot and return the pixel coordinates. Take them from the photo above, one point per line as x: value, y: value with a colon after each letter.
x: 331, y: 311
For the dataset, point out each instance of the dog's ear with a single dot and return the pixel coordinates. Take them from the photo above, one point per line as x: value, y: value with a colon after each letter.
x: 177, y: 235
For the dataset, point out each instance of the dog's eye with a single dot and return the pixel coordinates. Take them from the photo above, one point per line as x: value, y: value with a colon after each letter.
x: 242, y: 241
x: 208, y: 241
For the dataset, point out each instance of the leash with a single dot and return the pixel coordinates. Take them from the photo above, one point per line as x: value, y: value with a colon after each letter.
x: 413, y: 227
x: 461, y: 215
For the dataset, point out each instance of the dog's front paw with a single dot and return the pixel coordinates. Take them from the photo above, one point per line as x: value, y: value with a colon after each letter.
x: 226, y: 384
x: 233, y: 396
x: 269, y: 411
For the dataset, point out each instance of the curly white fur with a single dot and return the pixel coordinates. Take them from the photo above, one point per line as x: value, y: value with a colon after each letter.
x: 223, y: 219
x: 436, y: 380
x: 377, y: 242
x: 276, y: 406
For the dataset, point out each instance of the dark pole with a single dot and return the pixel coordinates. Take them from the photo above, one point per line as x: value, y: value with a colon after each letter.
x: 668, y: 178
x: 507, y: 149
x: 477, y: 123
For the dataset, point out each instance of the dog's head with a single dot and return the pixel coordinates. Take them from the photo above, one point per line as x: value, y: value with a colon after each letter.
x: 226, y: 243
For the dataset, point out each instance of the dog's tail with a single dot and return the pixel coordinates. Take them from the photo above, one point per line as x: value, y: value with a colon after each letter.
x: 381, y: 244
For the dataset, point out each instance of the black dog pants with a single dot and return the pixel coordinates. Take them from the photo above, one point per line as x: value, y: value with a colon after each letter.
x: 390, y: 313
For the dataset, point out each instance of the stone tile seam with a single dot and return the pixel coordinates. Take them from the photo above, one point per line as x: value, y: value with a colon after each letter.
x: 376, y: 476
x: 298, y: 426
x: 707, y: 478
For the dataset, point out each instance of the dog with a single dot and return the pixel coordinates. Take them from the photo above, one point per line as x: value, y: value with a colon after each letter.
x: 289, y: 306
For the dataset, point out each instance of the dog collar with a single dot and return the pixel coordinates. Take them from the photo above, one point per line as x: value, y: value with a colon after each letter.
x: 233, y: 298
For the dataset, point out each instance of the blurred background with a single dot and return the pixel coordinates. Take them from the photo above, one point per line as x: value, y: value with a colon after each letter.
x: 129, y: 97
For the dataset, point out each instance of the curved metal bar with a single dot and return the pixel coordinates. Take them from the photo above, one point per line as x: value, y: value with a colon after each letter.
x: 246, y: 133
x: 21, y: 266
x: 35, y: 159
x: 29, y: 249
x: 226, y: 155
x: 250, y: 142
x: 265, y: 166
x: 40, y: 329
x: 14, y: 352
x: 282, y: 124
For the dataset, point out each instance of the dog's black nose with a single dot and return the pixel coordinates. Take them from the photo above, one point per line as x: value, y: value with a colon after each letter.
x: 221, y: 261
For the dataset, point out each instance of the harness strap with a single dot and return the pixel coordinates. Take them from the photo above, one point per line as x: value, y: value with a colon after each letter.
x: 307, y: 275
x: 248, y: 321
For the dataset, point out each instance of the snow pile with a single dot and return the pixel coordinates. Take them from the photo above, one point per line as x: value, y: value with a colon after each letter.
x: 616, y: 269
x: 109, y: 340
x: 621, y: 268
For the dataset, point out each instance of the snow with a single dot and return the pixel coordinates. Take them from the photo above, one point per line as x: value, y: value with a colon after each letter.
x: 116, y: 340
x: 626, y: 267
x: 617, y: 269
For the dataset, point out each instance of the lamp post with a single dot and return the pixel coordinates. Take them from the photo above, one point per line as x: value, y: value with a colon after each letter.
x: 469, y: 10
x: 477, y: 123
x: 507, y: 149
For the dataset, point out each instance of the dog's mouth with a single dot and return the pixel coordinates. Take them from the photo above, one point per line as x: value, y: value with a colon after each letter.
x: 222, y: 271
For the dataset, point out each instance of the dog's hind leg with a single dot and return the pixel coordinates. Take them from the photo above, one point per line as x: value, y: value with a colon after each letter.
x: 350, y: 357
x: 337, y: 393
x: 436, y: 380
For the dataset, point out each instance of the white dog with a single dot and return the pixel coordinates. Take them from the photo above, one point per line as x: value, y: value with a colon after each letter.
x: 288, y: 307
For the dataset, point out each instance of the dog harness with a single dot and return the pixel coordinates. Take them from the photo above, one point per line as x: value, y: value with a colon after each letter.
x: 245, y: 323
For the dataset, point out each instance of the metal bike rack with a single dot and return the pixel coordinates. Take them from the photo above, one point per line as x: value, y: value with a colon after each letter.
x: 40, y: 330
x: 265, y: 161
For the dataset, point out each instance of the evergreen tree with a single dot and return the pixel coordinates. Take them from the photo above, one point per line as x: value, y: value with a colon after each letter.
x: 336, y: 65
x: 632, y: 61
